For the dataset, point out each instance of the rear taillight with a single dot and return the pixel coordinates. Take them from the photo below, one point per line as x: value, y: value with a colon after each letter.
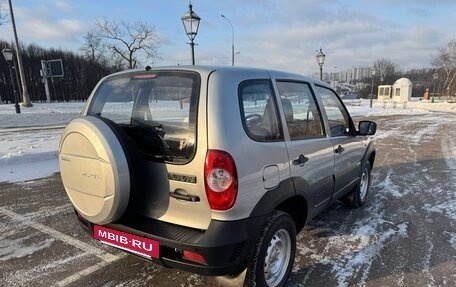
x: 193, y: 256
x: 220, y: 180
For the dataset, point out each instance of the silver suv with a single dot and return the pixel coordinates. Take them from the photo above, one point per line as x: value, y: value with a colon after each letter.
x: 213, y: 170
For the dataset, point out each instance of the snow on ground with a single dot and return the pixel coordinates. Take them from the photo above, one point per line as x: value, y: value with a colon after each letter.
x: 29, y: 141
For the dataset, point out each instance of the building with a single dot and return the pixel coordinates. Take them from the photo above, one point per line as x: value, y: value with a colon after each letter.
x: 401, y: 91
x: 351, y: 74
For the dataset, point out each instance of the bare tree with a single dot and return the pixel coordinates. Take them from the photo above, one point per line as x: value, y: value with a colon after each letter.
x: 445, y: 64
x: 386, y: 69
x: 129, y: 41
x: 94, y: 49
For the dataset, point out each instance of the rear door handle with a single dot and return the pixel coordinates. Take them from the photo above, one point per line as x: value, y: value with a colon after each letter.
x: 186, y: 197
x: 301, y: 160
x: 339, y: 149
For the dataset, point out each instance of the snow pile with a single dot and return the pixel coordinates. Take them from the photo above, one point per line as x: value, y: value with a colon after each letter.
x: 29, y: 140
x: 40, y: 115
x: 416, y: 107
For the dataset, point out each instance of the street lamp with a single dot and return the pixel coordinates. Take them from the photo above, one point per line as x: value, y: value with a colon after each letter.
x: 373, y: 72
x: 20, y: 68
x: 436, y: 76
x: 232, y: 40
x: 321, y: 60
x: 191, y: 24
x: 8, y: 54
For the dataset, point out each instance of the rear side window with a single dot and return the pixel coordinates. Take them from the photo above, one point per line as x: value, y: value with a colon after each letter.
x: 157, y: 110
x: 301, y: 111
x: 259, y: 110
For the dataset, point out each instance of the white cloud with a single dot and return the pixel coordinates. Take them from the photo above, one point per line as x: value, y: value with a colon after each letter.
x: 42, y: 30
x: 350, y: 34
x: 39, y: 25
x: 63, y: 5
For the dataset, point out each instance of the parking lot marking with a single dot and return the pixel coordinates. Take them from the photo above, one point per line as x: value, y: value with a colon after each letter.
x: 83, y: 273
x: 105, y: 256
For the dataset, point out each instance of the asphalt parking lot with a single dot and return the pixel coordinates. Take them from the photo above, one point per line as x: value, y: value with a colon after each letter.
x: 404, y: 236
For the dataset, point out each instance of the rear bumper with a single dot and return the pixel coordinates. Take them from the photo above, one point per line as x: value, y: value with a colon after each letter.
x: 225, y: 245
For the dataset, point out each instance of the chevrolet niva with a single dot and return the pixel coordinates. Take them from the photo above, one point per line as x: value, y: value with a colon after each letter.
x: 213, y: 170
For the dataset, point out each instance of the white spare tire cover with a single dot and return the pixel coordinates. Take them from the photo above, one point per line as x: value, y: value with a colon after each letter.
x: 94, y: 170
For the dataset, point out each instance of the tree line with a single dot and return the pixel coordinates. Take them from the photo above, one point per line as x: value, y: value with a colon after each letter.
x: 440, y: 77
x: 80, y: 75
x: 109, y: 47
x: 445, y: 69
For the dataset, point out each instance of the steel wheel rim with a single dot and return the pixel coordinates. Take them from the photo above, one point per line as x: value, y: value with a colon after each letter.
x: 277, y: 258
x: 364, y: 184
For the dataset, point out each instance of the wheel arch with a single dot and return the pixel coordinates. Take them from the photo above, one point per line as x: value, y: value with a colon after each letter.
x: 296, y: 207
x: 369, y: 155
x: 285, y: 199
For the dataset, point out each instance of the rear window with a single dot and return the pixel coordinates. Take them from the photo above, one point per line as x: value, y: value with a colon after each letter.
x: 157, y: 110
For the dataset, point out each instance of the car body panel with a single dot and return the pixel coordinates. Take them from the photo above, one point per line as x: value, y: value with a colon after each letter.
x: 227, y: 133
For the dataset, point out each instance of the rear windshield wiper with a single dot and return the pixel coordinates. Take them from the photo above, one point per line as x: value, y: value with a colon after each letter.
x: 158, y: 129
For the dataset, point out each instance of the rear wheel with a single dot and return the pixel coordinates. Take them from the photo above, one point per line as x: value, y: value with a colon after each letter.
x: 274, y: 253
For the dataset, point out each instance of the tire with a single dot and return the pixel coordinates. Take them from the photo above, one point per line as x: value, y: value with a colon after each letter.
x: 274, y: 252
x: 359, y: 195
x: 94, y: 169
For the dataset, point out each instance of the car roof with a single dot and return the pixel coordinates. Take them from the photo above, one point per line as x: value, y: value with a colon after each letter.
x: 207, y: 69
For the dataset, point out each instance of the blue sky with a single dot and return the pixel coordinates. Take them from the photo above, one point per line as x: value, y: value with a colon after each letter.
x: 279, y: 34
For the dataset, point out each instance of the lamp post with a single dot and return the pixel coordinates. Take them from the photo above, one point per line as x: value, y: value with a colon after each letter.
x: 373, y: 72
x: 25, y: 94
x: 321, y: 60
x: 191, y: 24
x: 8, y: 54
x: 436, y: 76
x: 232, y: 40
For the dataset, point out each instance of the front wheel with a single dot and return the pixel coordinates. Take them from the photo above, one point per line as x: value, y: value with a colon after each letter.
x: 358, y: 196
x: 274, y: 253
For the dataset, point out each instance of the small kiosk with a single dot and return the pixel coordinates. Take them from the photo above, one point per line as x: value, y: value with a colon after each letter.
x: 384, y: 92
x: 400, y: 92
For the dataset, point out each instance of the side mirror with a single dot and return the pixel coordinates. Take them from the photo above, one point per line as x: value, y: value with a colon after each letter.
x: 367, y: 128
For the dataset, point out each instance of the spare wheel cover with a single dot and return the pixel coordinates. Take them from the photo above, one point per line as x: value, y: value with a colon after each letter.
x: 94, y: 170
